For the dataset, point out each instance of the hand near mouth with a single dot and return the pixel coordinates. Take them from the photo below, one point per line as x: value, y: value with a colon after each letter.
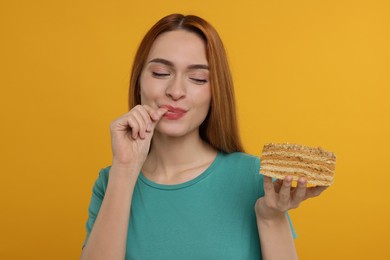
x: 131, y: 134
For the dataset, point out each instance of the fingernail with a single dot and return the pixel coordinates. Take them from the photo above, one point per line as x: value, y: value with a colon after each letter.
x: 149, y: 127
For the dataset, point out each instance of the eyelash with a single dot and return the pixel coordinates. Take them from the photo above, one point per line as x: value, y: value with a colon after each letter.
x: 160, y: 75
x: 163, y: 75
x: 199, y: 81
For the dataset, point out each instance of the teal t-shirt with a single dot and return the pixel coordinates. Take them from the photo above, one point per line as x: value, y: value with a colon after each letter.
x: 209, y: 217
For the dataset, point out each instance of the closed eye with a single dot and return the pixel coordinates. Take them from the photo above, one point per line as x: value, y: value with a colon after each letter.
x: 160, y: 75
x: 199, y: 81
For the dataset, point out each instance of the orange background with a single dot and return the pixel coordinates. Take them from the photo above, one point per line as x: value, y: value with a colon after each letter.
x: 310, y: 72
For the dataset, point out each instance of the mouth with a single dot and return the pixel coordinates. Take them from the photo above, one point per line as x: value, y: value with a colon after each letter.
x: 173, y: 113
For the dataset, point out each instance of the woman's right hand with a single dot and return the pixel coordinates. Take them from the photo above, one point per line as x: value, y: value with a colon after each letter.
x: 132, y: 133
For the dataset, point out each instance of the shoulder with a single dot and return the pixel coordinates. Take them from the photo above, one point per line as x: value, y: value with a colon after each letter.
x: 241, y: 155
x: 240, y: 164
x: 242, y: 169
x: 242, y: 160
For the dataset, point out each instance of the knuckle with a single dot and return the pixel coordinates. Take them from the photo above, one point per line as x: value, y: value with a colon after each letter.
x: 299, y: 198
x: 137, y: 109
x: 130, y: 121
x: 282, y: 207
x: 268, y: 188
x: 284, y: 196
x: 112, y: 124
x: 270, y: 203
x: 300, y: 195
x: 133, y: 125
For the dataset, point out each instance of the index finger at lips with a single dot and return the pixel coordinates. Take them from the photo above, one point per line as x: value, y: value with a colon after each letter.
x: 155, y: 114
x: 151, y: 112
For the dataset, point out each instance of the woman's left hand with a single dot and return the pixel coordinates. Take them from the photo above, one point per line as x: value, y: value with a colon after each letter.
x: 280, y: 197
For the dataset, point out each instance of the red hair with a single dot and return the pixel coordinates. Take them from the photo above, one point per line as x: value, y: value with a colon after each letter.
x: 220, y: 128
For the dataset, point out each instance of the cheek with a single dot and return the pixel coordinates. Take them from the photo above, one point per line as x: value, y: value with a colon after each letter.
x: 205, y: 96
x: 144, y: 96
x: 146, y: 90
x: 203, y: 99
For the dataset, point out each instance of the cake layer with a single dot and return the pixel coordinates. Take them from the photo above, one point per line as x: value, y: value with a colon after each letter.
x: 315, y: 164
x: 309, y: 166
x: 298, y: 157
x: 281, y: 175
x: 298, y: 171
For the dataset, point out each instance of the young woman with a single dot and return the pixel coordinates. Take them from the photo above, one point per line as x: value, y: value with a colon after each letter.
x: 180, y: 185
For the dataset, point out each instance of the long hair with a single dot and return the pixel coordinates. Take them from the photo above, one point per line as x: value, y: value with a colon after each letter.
x: 220, y: 128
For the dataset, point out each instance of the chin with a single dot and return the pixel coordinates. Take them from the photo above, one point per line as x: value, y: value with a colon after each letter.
x: 173, y: 131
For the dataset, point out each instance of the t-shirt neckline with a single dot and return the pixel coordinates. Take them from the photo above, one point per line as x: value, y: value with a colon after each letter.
x: 195, y: 180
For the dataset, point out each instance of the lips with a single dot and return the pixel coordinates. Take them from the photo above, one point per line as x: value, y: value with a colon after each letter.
x: 173, y: 113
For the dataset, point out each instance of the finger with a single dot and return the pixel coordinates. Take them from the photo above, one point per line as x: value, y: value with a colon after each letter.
x: 155, y: 114
x: 149, y: 113
x: 134, y: 127
x: 120, y: 124
x: 299, y: 194
x: 315, y: 191
x: 285, y: 192
x: 277, y: 185
x: 159, y: 114
x: 147, y: 120
x: 269, y: 189
x: 140, y: 121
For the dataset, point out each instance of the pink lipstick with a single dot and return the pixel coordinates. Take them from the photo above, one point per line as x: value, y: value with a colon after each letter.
x: 174, y: 113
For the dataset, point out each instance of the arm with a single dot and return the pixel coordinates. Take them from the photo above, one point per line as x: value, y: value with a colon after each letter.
x: 130, y: 138
x: 276, y: 239
x: 109, y: 233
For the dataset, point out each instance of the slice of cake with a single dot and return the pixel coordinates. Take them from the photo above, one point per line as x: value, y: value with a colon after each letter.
x: 315, y: 164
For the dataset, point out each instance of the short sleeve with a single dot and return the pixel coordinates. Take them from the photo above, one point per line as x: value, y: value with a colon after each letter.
x: 98, y: 191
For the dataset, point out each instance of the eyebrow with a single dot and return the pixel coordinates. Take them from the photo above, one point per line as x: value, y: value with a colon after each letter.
x: 170, y: 64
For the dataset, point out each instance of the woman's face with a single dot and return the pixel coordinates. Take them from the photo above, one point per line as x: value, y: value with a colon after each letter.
x: 176, y: 76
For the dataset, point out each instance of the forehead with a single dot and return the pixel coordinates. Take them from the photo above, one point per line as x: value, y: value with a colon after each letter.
x: 179, y: 46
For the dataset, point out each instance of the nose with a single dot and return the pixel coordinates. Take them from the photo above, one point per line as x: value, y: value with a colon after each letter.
x: 176, y: 89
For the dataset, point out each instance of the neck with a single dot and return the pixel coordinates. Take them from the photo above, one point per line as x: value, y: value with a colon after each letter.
x: 174, y: 159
